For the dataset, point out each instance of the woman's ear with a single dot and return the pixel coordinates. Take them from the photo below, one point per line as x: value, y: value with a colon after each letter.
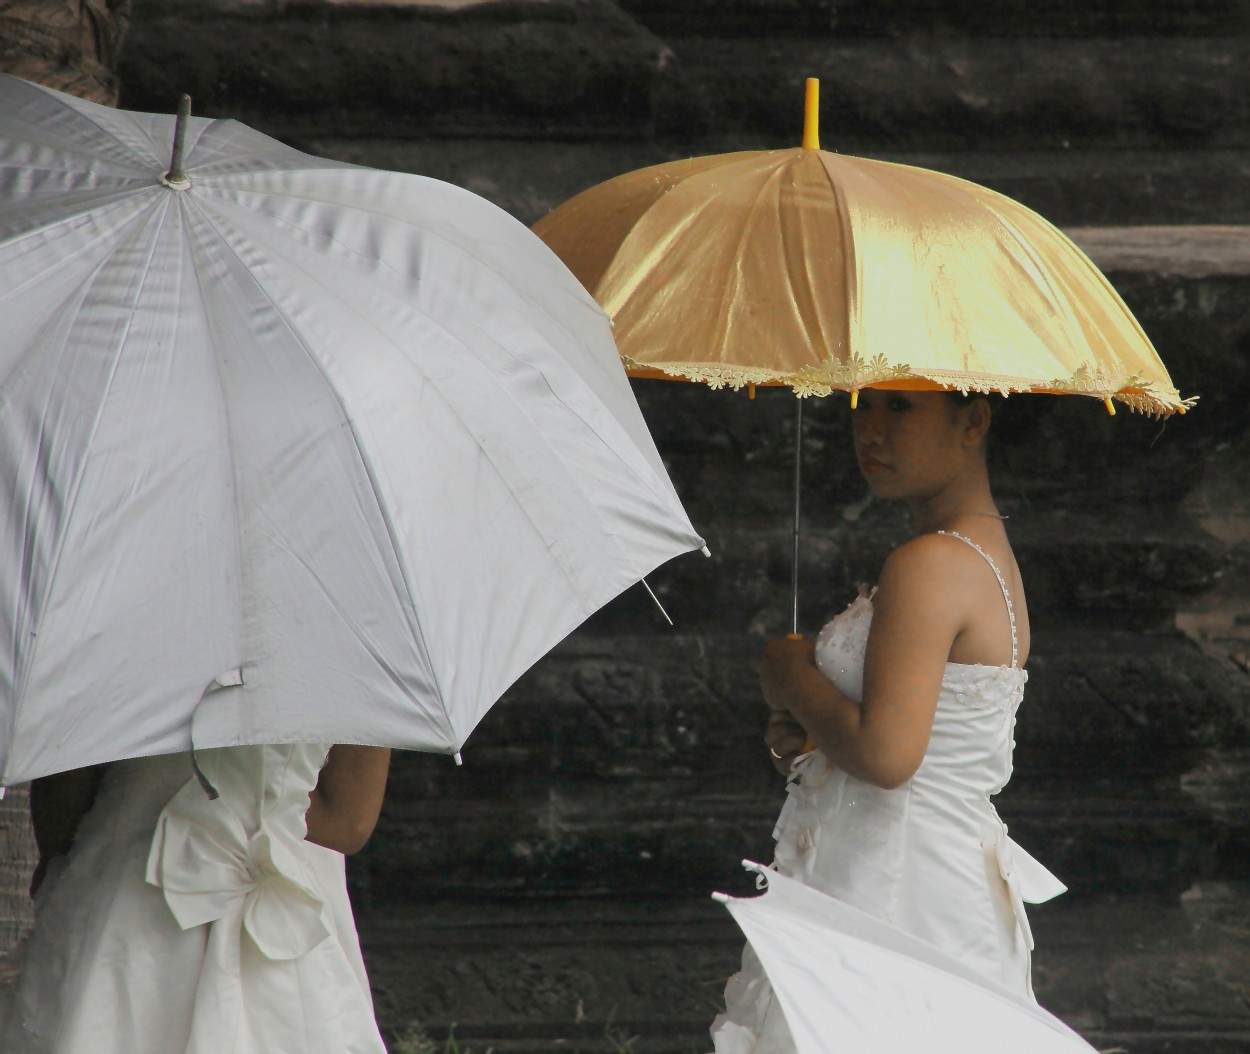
x: 977, y: 416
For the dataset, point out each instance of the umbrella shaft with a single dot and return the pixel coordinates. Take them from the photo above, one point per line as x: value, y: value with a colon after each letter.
x: 798, y: 480
x: 176, y: 175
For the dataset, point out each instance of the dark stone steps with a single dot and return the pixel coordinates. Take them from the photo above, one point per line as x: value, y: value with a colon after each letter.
x: 552, y: 895
x: 851, y: 19
x: 1127, y: 971
x: 586, y: 70
x: 1072, y: 186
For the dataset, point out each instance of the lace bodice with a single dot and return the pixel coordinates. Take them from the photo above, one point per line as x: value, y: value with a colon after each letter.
x: 841, y: 644
x: 840, y: 648
x: 971, y: 742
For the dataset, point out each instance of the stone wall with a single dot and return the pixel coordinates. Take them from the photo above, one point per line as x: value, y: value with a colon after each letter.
x: 556, y: 886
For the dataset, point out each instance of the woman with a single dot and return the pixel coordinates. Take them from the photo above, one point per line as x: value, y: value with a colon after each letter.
x: 194, y: 905
x: 895, y: 724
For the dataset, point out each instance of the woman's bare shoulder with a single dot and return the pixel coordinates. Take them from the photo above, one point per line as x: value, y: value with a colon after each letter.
x: 925, y: 557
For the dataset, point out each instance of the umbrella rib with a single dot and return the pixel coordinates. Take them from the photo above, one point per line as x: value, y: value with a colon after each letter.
x: 1092, y: 272
x: 34, y: 278
x: 520, y: 291
x: 387, y: 523
x: 731, y: 295
x: 850, y: 258
x: 76, y: 487
x: 93, y: 207
x: 650, y: 481
x: 810, y: 294
x: 329, y: 595
x: 85, y: 114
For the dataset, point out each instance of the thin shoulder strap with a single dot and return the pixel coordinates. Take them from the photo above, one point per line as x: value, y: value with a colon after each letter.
x: 1002, y: 584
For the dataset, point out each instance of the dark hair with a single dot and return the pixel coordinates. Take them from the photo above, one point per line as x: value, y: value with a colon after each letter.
x: 965, y: 398
x: 1014, y: 419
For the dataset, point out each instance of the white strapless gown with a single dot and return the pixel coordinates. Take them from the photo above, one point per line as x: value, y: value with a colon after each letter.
x: 931, y: 858
x: 184, y: 925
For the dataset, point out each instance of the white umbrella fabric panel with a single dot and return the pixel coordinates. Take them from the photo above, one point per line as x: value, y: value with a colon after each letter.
x: 358, y: 435
x: 849, y: 982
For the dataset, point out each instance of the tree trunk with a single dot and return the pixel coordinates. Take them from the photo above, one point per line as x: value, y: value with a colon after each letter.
x: 70, y: 45
x: 17, y: 861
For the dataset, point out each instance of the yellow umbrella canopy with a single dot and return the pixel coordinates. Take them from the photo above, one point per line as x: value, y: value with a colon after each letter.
x: 822, y: 272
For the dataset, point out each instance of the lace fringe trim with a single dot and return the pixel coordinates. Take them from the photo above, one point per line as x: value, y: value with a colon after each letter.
x: 1132, y: 390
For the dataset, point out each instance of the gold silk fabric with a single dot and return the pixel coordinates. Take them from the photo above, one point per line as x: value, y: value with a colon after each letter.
x: 825, y: 272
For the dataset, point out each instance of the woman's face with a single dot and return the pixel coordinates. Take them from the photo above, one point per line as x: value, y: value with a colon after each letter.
x: 911, y: 445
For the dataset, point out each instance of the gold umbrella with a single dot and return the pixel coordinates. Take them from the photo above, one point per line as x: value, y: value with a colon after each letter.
x: 822, y: 272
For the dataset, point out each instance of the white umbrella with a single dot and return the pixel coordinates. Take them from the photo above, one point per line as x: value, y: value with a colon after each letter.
x: 852, y: 983
x: 294, y: 451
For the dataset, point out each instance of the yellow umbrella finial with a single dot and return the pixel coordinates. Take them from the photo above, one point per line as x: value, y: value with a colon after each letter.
x: 811, y: 115
x: 1109, y: 405
x: 854, y: 398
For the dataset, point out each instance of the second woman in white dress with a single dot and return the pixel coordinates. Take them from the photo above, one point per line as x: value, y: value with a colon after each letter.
x: 895, y: 724
x: 171, y: 921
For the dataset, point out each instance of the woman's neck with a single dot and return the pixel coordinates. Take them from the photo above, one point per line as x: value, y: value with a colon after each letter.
x: 968, y: 495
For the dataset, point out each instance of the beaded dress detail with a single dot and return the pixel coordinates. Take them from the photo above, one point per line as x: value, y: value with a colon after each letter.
x: 930, y: 857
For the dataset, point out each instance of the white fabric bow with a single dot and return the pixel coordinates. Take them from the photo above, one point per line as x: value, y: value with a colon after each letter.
x: 209, y: 867
x: 1027, y: 880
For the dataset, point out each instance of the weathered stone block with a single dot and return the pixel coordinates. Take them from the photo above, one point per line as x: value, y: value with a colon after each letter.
x: 397, y: 69
x: 933, y: 91
x: 846, y: 19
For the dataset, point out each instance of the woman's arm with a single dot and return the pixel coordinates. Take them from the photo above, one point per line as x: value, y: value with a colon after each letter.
x: 343, y: 808
x: 918, y: 611
x: 57, y: 805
